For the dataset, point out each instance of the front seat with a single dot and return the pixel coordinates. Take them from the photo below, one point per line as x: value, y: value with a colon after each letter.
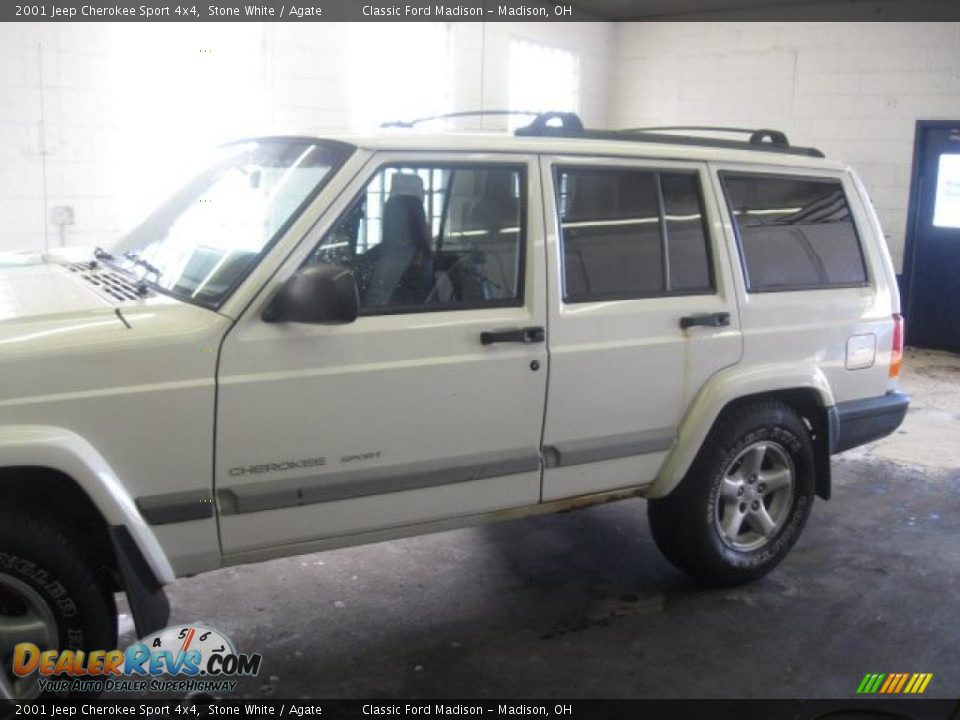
x: 401, y: 265
x: 497, y: 213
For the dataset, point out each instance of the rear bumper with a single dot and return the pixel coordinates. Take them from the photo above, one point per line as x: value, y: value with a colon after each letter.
x: 857, y: 422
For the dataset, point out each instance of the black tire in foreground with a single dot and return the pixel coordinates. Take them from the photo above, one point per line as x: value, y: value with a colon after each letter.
x: 745, y: 499
x: 50, y: 595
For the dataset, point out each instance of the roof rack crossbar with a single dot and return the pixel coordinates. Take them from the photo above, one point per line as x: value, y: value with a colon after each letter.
x: 552, y: 123
x: 756, y: 136
x: 452, y: 115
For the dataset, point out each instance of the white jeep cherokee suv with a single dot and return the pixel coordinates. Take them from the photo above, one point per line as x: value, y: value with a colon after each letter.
x: 325, y: 342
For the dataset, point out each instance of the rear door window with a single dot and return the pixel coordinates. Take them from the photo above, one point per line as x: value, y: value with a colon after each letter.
x: 631, y: 233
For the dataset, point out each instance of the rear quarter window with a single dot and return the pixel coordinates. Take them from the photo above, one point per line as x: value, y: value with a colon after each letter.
x: 794, y: 233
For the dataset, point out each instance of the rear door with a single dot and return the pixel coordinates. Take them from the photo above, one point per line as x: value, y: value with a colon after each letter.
x: 641, y: 312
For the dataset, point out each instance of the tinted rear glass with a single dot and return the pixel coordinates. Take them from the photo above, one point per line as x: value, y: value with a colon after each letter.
x: 795, y: 233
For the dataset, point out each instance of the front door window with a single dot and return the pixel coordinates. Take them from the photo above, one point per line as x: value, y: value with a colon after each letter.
x: 432, y: 238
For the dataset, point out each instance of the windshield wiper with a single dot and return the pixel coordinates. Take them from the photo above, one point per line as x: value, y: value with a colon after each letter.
x: 101, y: 255
x: 145, y: 264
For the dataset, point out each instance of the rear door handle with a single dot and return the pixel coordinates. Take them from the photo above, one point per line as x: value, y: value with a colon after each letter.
x: 527, y: 335
x: 720, y: 319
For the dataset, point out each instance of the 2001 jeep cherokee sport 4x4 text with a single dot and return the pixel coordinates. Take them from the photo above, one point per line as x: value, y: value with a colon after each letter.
x: 322, y: 342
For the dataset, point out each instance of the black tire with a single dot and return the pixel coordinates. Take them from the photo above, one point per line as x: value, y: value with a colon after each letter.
x: 686, y: 524
x: 34, y: 552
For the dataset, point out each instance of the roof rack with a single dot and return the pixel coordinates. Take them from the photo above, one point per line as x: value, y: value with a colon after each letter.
x: 568, y: 125
x: 450, y: 116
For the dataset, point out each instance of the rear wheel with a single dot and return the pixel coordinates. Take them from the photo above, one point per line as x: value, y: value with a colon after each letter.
x: 745, y: 499
x: 50, y: 596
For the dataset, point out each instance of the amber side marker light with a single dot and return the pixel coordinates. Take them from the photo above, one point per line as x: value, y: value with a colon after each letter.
x: 896, y: 352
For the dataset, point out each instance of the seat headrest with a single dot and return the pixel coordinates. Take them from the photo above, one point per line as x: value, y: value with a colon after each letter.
x: 498, y: 185
x: 407, y: 184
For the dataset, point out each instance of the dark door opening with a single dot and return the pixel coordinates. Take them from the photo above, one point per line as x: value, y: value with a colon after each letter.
x: 931, y: 261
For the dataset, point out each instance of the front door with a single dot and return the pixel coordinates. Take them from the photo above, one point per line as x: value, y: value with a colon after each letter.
x: 931, y: 265
x: 643, y: 315
x: 428, y: 406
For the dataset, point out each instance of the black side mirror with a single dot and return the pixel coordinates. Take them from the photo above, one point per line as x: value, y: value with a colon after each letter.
x: 316, y: 294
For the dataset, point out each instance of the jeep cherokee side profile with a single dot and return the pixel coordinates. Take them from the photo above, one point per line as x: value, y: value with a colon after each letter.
x: 324, y: 342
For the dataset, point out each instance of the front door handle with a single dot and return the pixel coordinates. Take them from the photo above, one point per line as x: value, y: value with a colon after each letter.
x: 720, y: 319
x: 525, y: 335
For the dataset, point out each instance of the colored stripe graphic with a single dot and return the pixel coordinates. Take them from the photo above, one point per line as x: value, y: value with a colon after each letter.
x: 870, y: 683
x: 903, y: 681
x: 894, y: 683
x: 918, y: 683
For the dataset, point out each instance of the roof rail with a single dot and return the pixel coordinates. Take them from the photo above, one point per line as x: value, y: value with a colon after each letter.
x: 449, y: 116
x: 756, y: 137
x: 570, y: 126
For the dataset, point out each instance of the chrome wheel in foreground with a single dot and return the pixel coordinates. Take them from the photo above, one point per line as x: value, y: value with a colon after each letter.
x: 24, y: 617
x: 755, y: 496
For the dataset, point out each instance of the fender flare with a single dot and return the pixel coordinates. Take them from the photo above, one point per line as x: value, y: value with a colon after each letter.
x: 727, y: 385
x: 68, y: 453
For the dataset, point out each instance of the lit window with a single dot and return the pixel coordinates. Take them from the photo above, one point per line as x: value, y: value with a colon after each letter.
x: 946, y: 213
x: 178, y: 90
x: 542, y: 78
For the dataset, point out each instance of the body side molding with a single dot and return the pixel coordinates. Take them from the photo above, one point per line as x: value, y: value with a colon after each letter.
x: 581, y: 452
x: 290, y: 492
x: 176, y: 507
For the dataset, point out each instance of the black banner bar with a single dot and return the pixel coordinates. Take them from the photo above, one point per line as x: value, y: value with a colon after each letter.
x: 450, y: 11
x: 848, y: 709
x: 288, y: 11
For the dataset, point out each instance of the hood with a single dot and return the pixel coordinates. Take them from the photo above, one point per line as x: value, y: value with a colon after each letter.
x: 69, y: 325
x: 42, y: 290
x: 49, y: 303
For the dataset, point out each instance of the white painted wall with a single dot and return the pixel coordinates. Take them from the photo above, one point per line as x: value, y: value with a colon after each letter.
x: 84, y: 109
x: 54, y: 99
x: 97, y: 121
x: 310, y: 80
x: 855, y: 90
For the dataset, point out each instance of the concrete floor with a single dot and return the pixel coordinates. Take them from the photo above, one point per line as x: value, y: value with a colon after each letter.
x: 582, y: 605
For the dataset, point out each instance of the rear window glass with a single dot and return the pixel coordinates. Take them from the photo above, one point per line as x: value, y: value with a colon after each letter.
x: 794, y: 233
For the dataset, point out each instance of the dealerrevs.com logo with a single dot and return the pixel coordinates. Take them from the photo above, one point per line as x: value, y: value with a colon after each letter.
x: 175, y: 659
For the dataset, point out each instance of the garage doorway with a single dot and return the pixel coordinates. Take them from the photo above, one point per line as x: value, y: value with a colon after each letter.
x: 931, y: 263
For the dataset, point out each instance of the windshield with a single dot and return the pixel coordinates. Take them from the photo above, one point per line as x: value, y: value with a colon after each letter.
x: 208, y: 236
